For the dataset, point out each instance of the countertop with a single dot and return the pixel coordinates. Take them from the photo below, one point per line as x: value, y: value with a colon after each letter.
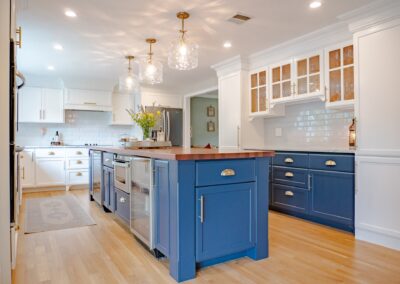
x: 180, y: 153
x: 61, y: 146
x: 306, y: 149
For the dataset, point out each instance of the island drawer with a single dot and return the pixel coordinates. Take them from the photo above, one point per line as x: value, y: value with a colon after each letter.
x: 122, y: 205
x: 290, y: 176
x: 108, y: 159
x: 340, y: 163
x: 289, y: 197
x: 287, y: 159
x: 224, y: 171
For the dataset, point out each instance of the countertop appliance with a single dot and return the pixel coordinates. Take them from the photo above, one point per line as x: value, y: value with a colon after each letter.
x: 95, y: 167
x: 171, y: 123
x: 142, y: 201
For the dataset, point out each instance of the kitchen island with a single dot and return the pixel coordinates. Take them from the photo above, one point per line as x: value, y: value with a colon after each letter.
x: 211, y: 205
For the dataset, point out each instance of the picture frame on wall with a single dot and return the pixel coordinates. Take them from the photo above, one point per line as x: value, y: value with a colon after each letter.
x: 211, y: 126
x: 210, y: 111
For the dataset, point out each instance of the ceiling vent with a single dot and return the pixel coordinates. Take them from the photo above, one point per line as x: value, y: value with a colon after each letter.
x: 239, y: 18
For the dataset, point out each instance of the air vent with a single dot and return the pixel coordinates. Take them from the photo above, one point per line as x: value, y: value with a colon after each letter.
x: 239, y: 18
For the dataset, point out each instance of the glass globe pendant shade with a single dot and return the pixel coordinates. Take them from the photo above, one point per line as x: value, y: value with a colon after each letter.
x: 151, y: 72
x: 183, y: 55
x: 129, y: 82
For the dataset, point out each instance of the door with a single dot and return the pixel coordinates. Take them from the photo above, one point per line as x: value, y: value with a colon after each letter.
x: 53, y: 106
x: 50, y: 172
x: 332, y: 196
x: 308, y: 79
x: 258, y: 91
x: 281, y: 80
x: 120, y: 104
x: 161, y: 190
x: 228, y: 229
x: 106, y: 186
x: 30, y: 104
x: 27, y: 168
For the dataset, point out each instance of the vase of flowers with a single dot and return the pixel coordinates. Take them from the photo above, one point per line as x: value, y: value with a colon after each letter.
x: 145, y: 119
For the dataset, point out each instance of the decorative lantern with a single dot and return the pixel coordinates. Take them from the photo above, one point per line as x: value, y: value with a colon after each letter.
x: 352, y: 134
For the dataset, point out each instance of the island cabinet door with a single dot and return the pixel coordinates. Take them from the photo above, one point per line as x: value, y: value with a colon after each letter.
x: 161, y: 186
x: 225, y: 220
x: 332, y: 197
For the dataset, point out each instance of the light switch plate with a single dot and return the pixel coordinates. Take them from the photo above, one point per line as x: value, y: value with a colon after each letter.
x: 278, y: 132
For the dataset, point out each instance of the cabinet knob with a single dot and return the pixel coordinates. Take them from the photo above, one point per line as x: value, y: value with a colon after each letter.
x: 79, y: 162
x: 289, y: 193
x: 228, y: 172
x: 289, y: 161
x: 330, y: 163
x: 289, y: 174
x: 51, y: 153
x: 78, y: 174
x: 122, y: 200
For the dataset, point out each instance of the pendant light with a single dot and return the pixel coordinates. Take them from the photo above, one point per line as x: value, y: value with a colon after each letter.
x: 151, y: 70
x: 129, y: 82
x: 183, y: 54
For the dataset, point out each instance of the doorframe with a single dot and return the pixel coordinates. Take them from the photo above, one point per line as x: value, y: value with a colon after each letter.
x: 186, y: 113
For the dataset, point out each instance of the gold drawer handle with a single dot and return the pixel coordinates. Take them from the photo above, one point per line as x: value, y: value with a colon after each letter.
x: 79, y: 153
x: 289, y: 174
x: 289, y: 193
x: 78, y: 174
x: 79, y: 162
x: 289, y: 161
x: 51, y: 153
x: 228, y: 173
x: 330, y: 163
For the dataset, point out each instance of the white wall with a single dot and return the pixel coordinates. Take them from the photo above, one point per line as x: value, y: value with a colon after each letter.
x: 5, y: 261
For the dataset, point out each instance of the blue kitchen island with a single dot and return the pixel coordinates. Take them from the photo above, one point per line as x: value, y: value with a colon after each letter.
x: 211, y: 205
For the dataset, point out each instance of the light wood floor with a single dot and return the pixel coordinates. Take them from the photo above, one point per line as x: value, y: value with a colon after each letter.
x: 300, y: 252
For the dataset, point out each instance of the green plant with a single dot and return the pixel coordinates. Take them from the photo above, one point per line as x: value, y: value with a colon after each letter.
x: 145, y: 119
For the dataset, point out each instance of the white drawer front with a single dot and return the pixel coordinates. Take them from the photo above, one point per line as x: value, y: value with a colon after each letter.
x: 77, y: 152
x: 78, y: 177
x: 77, y: 163
x: 50, y: 153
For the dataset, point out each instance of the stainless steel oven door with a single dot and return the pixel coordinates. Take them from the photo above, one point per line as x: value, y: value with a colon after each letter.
x: 122, y: 175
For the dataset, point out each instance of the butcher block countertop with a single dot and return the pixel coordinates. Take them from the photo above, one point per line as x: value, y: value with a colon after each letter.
x: 180, y: 153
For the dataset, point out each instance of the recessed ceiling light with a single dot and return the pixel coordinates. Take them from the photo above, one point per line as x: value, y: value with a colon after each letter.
x: 227, y: 44
x: 58, y: 46
x: 70, y: 13
x: 315, y: 4
x: 50, y: 67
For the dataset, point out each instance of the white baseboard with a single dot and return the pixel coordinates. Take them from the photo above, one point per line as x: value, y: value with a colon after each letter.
x: 378, y: 236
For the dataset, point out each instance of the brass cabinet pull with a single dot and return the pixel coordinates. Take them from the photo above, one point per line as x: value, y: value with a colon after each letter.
x: 289, y: 174
x: 78, y: 153
x: 79, y: 174
x: 19, y: 33
x: 228, y: 173
x: 51, y: 153
x: 289, y: 161
x: 330, y: 163
x: 89, y: 103
x: 79, y: 162
x: 289, y: 193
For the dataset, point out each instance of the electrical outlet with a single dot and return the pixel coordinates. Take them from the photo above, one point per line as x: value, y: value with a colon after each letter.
x: 278, y: 132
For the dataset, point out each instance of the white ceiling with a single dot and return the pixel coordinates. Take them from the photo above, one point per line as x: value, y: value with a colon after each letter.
x: 96, y: 41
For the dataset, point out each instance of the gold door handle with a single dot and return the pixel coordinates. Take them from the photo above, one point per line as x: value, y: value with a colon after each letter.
x: 51, y: 153
x: 289, y: 193
x: 17, y: 228
x: 289, y: 161
x: 330, y: 163
x: 19, y: 33
x: 79, y: 162
x: 289, y: 174
x: 228, y: 173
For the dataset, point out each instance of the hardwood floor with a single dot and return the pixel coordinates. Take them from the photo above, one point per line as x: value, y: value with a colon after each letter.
x: 300, y: 252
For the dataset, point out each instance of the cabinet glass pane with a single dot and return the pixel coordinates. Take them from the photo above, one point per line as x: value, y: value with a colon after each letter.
x: 276, y: 74
x: 302, y: 67
x: 253, y: 80
x: 314, y: 64
x: 276, y: 91
x: 334, y: 86
x: 348, y: 78
x: 262, y: 78
x: 348, y: 55
x: 334, y: 59
x: 254, y: 100
x: 315, y: 85
x: 262, y: 99
x: 286, y: 89
x: 286, y: 72
x: 302, y: 86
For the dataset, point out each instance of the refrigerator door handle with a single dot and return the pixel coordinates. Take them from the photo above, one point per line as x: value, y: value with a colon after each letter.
x: 169, y: 126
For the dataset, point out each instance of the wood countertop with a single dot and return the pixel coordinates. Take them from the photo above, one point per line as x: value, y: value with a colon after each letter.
x: 180, y: 153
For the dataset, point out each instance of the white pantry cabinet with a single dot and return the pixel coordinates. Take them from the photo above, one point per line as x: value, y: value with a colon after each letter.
x: 87, y: 100
x: 120, y: 103
x: 27, y: 168
x: 40, y: 105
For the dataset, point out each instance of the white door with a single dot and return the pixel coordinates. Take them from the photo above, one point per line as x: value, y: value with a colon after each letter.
x: 53, y: 106
x: 120, y: 104
x: 27, y: 168
x: 50, y: 172
x: 30, y: 104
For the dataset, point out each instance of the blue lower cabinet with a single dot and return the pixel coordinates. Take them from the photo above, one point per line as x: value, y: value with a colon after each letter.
x: 162, y: 192
x: 223, y: 230
x: 332, y: 197
x: 122, y: 205
x: 289, y: 197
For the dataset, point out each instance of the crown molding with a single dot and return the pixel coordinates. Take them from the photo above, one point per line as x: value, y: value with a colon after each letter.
x: 231, y: 65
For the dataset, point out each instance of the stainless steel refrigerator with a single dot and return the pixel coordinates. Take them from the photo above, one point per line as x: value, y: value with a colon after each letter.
x: 171, y: 122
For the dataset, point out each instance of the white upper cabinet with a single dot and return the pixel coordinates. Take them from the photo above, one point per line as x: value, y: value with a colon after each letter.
x: 88, y: 100
x: 40, y: 105
x: 282, y: 84
x: 120, y: 103
x: 339, y: 69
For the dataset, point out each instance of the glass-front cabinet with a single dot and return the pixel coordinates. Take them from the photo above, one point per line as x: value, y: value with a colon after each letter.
x: 339, y: 67
x: 282, y: 86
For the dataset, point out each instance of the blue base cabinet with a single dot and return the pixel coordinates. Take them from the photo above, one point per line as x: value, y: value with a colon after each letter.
x: 315, y: 186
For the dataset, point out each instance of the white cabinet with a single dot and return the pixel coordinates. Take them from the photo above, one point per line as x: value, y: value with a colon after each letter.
x: 50, y: 172
x: 27, y: 168
x: 41, y: 105
x: 88, y: 100
x: 120, y: 103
